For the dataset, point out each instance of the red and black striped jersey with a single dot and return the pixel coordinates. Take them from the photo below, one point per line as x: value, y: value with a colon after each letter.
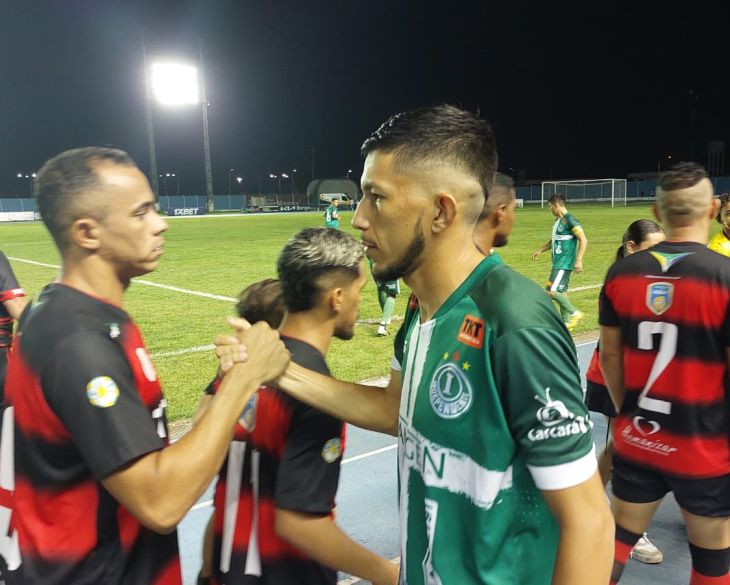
x: 85, y: 400
x: 9, y: 289
x: 284, y: 455
x: 593, y: 372
x: 672, y: 304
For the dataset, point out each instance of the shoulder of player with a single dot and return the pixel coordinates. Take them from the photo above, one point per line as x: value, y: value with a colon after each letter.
x: 508, y: 300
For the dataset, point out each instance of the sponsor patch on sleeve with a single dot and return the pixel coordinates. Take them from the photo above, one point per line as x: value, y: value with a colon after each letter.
x: 102, y: 391
x: 332, y: 450
x: 471, y: 331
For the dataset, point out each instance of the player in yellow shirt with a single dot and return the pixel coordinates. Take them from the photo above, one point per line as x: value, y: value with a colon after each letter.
x: 720, y: 242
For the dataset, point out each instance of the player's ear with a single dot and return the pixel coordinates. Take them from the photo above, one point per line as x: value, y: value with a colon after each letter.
x: 335, y: 299
x: 715, y: 209
x: 86, y: 233
x: 655, y: 212
x: 444, y: 212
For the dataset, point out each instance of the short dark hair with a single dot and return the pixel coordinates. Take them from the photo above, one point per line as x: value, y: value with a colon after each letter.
x: 683, y: 175
x: 724, y: 200
x: 262, y: 301
x: 504, y: 181
x: 66, y: 176
x: 557, y: 198
x: 439, y: 133
x: 311, y: 256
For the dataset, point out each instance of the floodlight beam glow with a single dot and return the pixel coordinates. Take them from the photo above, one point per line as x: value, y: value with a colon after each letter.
x: 175, y: 84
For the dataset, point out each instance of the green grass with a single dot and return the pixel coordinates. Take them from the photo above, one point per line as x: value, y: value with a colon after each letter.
x: 222, y: 255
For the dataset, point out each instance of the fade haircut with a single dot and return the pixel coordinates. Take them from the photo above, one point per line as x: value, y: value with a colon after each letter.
x: 683, y: 175
x: 262, y: 301
x: 557, y: 199
x: 504, y: 181
x: 65, y: 179
x: 315, y: 260
x: 436, y: 135
x: 500, y: 193
x: 678, y: 203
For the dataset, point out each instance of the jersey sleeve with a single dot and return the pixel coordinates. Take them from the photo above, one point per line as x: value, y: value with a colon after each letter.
x: 309, y: 469
x: 607, y: 315
x: 9, y: 287
x: 97, y: 401
x: 573, y: 222
x: 536, y: 370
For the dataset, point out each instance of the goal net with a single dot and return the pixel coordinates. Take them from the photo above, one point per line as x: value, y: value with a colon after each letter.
x: 600, y: 190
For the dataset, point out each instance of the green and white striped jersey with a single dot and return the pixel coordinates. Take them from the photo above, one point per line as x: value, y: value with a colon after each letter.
x: 565, y: 244
x: 491, y: 413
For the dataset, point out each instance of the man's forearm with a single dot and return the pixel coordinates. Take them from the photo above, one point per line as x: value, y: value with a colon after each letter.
x: 320, y: 539
x: 144, y: 487
x: 585, y: 553
x: 368, y: 407
x: 582, y: 247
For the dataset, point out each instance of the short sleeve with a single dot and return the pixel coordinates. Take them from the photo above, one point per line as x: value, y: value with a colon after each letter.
x: 9, y: 287
x: 212, y: 388
x: 309, y: 469
x: 607, y: 315
x: 89, y: 385
x: 573, y: 222
x: 543, y: 400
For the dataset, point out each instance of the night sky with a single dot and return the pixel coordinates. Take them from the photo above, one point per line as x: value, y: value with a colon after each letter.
x: 594, y: 89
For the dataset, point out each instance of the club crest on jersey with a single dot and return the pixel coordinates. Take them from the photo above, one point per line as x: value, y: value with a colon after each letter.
x: 659, y: 297
x: 332, y: 450
x: 450, y: 392
x: 102, y: 391
x: 248, y: 416
x: 471, y: 331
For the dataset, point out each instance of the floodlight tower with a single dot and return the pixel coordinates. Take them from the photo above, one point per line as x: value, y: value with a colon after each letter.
x: 177, y: 84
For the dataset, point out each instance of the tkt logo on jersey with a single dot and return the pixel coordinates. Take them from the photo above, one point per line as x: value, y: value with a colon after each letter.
x: 659, y: 296
x: 450, y: 392
x: 102, y: 391
x: 471, y: 331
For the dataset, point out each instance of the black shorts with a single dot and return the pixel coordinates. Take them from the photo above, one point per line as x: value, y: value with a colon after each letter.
x: 598, y: 399
x: 638, y: 485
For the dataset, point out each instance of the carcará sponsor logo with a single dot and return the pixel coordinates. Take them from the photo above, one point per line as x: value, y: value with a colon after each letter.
x: 556, y: 420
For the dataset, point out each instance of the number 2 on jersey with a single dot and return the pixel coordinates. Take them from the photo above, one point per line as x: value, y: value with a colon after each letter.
x: 667, y: 351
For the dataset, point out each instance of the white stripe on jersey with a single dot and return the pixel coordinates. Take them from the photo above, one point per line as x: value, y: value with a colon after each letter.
x: 234, y: 475
x: 253, y: 556
x: 418, y: 344
x: 565, y: 475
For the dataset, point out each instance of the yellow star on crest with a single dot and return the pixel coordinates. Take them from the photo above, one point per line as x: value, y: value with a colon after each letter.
x: 465, y: 366
x: 446, y: 355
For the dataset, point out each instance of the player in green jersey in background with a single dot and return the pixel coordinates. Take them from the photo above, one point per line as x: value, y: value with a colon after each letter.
x: 331, y: 217
x: 388, y: 290
x: 567, y: 244
x: 498, y: 480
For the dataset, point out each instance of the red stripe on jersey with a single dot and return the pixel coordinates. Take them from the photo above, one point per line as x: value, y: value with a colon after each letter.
x: 129, y: 528
x: 271, y: 546
x: 170, y: 574
x: 594, y: 373
x: 56, y: 526
x: 685, y: 381
x: 14, y: 293
x: 684, y: 309
x: 271, y: 421
x: 33, y: 416
x: 641, y: 442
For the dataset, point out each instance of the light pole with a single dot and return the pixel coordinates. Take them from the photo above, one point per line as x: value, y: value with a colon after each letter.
x: 659, y: 164
x: 347, y: 176
x: 164, y: 182
x: 278, y: 178
x: 30, y: 178
x: 230, y: 181
x: 177, y: 84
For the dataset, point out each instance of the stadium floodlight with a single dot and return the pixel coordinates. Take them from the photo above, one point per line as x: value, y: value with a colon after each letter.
x: 596, y: 190
x: 175, y: 84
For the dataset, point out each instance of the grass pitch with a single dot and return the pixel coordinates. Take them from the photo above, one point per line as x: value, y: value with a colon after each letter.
x: 223, y: 254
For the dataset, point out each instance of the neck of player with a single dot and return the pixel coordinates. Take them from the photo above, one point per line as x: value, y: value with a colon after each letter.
x: 690, y: 233
x: 449, y: 264
x: 95, y: 277
x: 311, y: 327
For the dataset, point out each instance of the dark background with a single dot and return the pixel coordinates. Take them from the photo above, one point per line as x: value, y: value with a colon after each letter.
x: 587, y: 90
